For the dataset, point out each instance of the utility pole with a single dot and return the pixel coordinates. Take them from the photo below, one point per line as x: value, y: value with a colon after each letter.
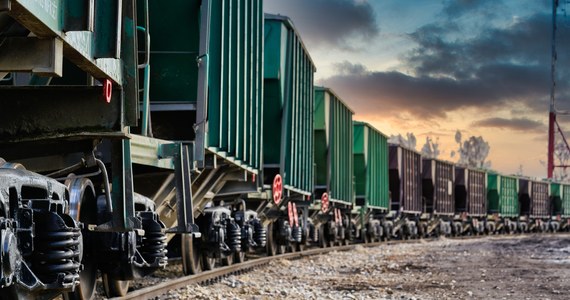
x: 552, y: 110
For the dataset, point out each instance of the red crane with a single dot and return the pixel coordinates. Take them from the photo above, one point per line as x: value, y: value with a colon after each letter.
x: 553, y: 125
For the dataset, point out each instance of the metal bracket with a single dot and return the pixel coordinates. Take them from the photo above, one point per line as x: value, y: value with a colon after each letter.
x: 180, y: 153
x: 133, y: 223
x: 202, y: 93
x: 40, y: 56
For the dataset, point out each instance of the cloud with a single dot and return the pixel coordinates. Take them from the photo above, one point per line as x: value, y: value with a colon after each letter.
x: 525, y: 42
x: 517, y: 124
x: 498, y: 67
x: 348, y: 68
x: 429, y: 97
x: 459, y: 8
x: 325, y: 23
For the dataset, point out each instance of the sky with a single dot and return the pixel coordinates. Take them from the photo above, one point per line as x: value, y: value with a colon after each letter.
x: 435, y: 67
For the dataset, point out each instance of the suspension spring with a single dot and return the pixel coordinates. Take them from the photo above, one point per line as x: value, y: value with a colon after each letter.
x: 259, y: 234
x: 153, y: 245
x: 234, y: 236
x: 57, y: 248
x: 313, y: 232
x: 297, y: 233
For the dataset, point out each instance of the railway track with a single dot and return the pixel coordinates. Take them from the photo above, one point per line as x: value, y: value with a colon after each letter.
x: 212, y: 275
x: 221, y: 272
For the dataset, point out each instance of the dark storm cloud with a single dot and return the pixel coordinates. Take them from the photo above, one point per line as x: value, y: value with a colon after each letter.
x: 526, y: 42
x: 496, y: 68
x: 518, y: 124
x: 329, y: 22
x: 428, y: 97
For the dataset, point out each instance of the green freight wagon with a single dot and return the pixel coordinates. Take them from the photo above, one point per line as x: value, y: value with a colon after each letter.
x: 333, y: 149
x: 502, y: 195
x: 370, y: 167
x: 206, y: 89
x: 206, y: 77
x: 288, y: 164
x: 287, y: 108
x: 164, y: 100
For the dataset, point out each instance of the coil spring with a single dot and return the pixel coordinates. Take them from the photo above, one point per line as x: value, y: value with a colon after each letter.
x: 154, y: 246
x: 313, y: 232
x: 297, y: 233
x: 56, y: 249
x: 259, y: 234
x: 234, y: 236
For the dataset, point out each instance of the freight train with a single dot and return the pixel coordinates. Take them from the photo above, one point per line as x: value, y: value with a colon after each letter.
x: 132, y: 127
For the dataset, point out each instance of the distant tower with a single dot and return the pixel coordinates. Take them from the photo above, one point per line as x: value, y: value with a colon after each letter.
x: 552, y: 111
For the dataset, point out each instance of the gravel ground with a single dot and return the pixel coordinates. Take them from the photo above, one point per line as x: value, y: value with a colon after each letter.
x: 507, y: 267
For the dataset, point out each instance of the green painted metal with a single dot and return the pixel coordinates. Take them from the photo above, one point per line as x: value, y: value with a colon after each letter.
x: 149, y: 152
x: 556, y: 198
x: 502, y: 195
x: 106, y: 30
x: 564, y: 210
x: 333, y: 146
x: 371, y: 166
x: 288, y: 105
x: 95, y: 51
x: 234, y: 70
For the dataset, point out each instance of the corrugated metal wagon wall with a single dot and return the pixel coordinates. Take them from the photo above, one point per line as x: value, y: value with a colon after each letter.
x: 565, y: 200
x: 206, y: 76
x: 405, y: 180
x: 470, y: 191
x: 437, y: 187
x: 534, y: 198
x: 333, y: 146
x: 371, y: 167
x: 288, y: 107
x: 556, y: 198
x: 502, y: 195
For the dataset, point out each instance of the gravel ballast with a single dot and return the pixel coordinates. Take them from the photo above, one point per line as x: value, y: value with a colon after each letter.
x: 502, y: 267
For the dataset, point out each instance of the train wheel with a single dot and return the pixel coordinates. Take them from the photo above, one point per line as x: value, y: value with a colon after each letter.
x: 365, y: 238
x: 387, y: 233
x: 323, y: 240
x: 239, y: 257
x: 282, y: 249
x: 437, y: 231
x: 271, y: 241
x: 190, y: 255
x: 114, y: 287
x: 292, y: 247
x: 208, y: 263
x: 273, y: 247
x: 228, y: 260
x: 301, y: 247
x: 83, y: 206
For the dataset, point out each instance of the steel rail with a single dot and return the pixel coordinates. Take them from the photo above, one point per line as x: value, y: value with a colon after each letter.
x: 178, y: 283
